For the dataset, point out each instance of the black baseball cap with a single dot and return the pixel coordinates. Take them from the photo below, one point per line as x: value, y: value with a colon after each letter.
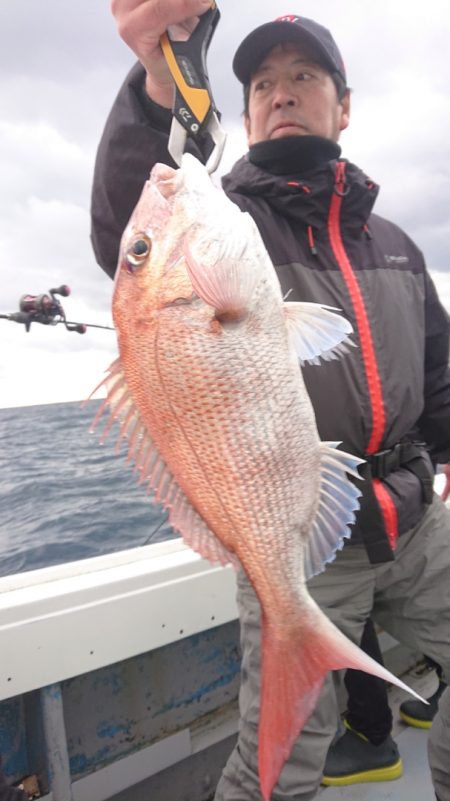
x: 288, y: 28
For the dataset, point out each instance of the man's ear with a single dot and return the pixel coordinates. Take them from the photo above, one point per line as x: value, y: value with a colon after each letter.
x: 345, y: 112
x: 247, y: 125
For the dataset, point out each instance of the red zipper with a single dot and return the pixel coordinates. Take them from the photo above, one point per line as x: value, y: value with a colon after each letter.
x: 373, y: 379
x: 362, y: 322
x: 388, y: 510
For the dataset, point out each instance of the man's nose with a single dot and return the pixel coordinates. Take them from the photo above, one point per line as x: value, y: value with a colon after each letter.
x: 283, y: 95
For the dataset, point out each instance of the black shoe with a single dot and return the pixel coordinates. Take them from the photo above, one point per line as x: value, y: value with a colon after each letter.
x: 418, y: 714
x: 353, y: 760
x: 9, y: 793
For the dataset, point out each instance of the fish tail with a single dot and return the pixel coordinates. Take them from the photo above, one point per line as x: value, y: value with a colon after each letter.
x: 294, y: 666
x: 291, y: 684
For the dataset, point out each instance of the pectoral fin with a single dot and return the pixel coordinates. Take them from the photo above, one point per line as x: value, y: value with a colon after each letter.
x: 220, y: 271
x: 316, y: 331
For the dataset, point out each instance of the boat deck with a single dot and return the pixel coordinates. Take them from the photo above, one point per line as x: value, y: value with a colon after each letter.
x: 101, y: 710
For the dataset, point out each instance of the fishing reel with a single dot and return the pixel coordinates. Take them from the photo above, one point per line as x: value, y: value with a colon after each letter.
x: 45, y: 309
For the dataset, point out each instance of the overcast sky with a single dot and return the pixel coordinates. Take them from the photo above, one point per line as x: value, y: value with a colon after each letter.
x: 61, y: 64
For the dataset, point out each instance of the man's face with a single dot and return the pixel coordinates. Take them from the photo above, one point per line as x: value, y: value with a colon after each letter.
x: 292, y: 95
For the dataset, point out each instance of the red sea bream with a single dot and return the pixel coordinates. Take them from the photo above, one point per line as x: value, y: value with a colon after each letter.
x: 210, y: 396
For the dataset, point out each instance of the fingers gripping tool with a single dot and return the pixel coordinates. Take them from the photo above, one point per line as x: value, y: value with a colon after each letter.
x: 194, y: 111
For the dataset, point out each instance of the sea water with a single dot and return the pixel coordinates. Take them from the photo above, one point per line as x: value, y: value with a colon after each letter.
x: 63, y: 495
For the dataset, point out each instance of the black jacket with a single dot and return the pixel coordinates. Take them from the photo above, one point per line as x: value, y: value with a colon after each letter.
x: 314, y: 212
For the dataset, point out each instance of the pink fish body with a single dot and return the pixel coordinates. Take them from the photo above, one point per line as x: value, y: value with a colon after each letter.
x: 209, y: 393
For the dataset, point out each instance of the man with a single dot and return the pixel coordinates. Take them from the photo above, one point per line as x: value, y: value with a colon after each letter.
x: 313, y: 210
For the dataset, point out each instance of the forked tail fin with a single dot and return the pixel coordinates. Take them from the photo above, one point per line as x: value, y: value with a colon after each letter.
x: 294, y: 666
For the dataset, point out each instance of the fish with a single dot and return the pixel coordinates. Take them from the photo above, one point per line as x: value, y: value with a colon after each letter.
x: 208, y: 392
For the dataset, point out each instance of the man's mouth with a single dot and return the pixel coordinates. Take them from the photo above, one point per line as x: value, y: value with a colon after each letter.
x: 284, y: 128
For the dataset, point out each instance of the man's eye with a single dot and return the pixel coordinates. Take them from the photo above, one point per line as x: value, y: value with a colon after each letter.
x: 304, y: 76
x: 260, y: 86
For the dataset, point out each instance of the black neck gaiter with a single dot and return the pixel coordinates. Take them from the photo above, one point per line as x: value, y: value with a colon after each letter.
x: 293, y: 155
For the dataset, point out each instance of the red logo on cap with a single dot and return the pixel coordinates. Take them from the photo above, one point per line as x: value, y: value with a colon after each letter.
x: 288, y: 18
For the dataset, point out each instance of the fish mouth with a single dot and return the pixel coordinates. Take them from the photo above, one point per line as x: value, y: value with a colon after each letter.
x: 165, y: 179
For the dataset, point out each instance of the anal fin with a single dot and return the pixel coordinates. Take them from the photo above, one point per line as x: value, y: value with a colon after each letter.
x: 338, y: 503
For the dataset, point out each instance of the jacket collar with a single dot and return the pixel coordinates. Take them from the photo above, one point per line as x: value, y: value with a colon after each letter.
x: 296, y: 177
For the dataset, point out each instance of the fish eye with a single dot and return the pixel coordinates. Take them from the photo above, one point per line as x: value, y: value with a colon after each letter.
x: 138, y: 251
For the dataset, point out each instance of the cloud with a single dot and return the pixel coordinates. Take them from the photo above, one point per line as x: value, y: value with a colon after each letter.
x: 42, y: 367
x: 37, y: 159
x: 61, y: 65
x: 442, y: 283
x: 44, y: 217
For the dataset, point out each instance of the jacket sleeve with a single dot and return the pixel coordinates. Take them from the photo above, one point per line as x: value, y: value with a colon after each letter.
x: 135, y: 138
x: 434, y: 422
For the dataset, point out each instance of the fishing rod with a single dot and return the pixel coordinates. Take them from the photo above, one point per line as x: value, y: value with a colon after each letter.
x: 48, y: 310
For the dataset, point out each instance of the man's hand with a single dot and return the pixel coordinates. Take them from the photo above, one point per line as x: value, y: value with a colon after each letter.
x: 446, y: 490
x: 140, y: 24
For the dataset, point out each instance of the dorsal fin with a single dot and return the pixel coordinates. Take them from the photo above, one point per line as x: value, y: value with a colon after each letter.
x: 152, y: 469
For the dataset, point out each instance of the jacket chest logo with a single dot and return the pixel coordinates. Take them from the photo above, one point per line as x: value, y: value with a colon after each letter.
x: 395, y: 259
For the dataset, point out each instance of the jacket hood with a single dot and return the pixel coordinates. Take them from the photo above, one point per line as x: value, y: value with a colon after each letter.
x: 296, y: 177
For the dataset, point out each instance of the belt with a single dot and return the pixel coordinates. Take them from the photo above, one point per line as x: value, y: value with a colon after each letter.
x: 412, y: 455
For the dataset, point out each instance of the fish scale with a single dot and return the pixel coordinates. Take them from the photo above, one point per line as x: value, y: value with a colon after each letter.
x: 222, y: 429
x: 229, y: 446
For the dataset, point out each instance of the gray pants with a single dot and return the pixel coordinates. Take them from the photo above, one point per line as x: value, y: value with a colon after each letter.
x: 409, y: 598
